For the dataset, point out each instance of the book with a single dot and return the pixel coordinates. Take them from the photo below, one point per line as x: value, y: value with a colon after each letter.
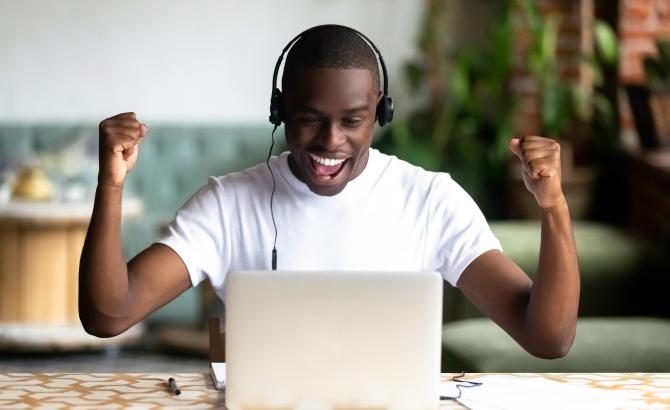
x: 218, y: 372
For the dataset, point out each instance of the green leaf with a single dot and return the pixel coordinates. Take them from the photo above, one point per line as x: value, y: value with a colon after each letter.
x: 414, y: 75
x: 581, y: 102
x: 604, y: 108
x: 532, y: 16
x: 663, y: 47
x: 423, y: 155
x: 460, y: 84
x: 606, y: 42
x: 549, y: 40
x: 400, y: 133
x: 653, y: 69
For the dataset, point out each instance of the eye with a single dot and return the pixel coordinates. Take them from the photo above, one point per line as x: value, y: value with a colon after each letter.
x: 351, y: 121
x: 309, y: 120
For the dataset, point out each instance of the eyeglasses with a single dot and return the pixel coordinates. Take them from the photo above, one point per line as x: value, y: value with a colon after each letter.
x: 460, y: 383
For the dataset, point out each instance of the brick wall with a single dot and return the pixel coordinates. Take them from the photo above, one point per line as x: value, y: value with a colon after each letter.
x: 641, y: 22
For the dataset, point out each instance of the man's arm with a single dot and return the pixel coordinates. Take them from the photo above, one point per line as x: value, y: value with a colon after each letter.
x: 114, y: 296
x: 541, y: 315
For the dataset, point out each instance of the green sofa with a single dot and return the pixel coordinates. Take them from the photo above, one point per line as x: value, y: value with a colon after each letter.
x: 623, y: 344
x: 623, y: 324
x: 174, y: 161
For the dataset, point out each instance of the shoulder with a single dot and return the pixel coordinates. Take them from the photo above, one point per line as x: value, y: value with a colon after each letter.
x: 410, y: 177
x: 256, y: 176
x: 249, y: 182
x: 435, y: 191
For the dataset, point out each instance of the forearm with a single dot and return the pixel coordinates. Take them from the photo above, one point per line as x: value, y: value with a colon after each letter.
x: 551, y: 316
x: 103, y: 275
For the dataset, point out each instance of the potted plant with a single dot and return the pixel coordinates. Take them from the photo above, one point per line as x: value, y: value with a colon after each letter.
x: 467, y: 115
x: 567, y: 109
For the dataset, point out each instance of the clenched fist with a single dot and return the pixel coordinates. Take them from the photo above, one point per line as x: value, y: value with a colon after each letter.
x: 541, y: 168
x: 120, y: 137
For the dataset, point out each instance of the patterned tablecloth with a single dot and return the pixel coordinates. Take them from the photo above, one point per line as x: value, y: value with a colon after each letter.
x: 151, y: 391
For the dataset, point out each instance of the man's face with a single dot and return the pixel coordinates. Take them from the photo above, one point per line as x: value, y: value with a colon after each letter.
x: 330, y: 115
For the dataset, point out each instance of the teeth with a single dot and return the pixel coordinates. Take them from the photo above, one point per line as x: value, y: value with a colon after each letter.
x: 330, y: 162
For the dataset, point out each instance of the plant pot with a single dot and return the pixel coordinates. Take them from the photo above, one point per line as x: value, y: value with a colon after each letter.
x: 659, y: 102
x: 651, y: 113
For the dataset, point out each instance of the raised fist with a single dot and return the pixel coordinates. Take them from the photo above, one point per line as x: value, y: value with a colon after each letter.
x: 541, y: 168
x: 120, y: 137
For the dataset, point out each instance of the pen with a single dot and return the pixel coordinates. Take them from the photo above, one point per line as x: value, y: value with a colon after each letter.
x: 173, y: 386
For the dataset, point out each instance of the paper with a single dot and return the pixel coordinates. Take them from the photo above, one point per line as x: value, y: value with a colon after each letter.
x: 531, y: 392
x: 218, y: 372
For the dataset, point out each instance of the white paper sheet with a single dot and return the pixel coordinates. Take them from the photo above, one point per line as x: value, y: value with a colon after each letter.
x: 531, y: 392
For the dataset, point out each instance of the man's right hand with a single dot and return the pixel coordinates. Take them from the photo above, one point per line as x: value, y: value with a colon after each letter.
x: 120, y: 136
x: 115, y: 294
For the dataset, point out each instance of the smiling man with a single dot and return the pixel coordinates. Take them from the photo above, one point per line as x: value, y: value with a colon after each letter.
x: 339, y: 205
x: 328, y: 129
x: 331, y: 89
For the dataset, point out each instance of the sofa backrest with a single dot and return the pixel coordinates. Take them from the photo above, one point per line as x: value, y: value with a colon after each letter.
x: 175, y: 160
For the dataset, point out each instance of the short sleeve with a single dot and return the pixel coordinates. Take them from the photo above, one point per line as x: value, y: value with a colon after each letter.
x: 196, y: 233
x: 457, y: 230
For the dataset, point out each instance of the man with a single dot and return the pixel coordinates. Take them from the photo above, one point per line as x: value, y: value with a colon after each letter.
x: 339, y: 205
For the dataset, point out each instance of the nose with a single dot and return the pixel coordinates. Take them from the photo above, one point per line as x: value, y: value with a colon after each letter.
x: 331, y: 136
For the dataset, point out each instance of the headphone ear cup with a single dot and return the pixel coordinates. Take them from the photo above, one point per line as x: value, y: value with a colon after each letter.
x: 276, y: 107
x: 385, y: 110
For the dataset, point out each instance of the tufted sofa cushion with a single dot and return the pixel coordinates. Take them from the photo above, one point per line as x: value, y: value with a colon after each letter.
x: 175, y: 160
x: 612, y: 264
x: 634, y: 344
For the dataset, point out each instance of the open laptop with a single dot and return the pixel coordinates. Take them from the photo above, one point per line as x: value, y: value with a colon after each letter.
x: 330, y: 340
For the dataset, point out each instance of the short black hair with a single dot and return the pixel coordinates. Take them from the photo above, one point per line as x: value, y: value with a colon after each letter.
x: 331, y: 47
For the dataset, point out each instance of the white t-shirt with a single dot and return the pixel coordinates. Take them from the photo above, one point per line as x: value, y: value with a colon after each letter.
x: 393, y: 216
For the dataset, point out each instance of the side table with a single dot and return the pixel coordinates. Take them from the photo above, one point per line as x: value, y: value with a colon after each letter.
x: 40, y: 247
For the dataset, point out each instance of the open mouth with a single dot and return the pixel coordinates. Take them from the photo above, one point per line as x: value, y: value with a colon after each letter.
x: 326, y: 169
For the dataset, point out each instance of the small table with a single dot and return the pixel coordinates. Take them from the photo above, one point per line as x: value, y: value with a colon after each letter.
x: 40, y: 247
x: 150, y: 390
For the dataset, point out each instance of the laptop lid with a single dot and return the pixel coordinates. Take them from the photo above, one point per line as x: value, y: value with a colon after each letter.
x: 333, y: 339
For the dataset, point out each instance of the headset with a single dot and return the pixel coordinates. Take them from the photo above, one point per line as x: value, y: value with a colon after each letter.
x: 384, y: 109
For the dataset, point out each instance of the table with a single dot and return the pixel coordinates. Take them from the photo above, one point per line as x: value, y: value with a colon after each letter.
x: 150, y: 390
x: 40, y: 246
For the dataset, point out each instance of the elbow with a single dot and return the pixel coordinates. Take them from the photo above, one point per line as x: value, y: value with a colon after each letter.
x: 101, y: 332
x: 553, y: 347
x: 101, y: 327
x: 97, y: 323
x: 555, y: 351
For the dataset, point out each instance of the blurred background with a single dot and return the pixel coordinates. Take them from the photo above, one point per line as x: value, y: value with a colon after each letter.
x: 466, y: 77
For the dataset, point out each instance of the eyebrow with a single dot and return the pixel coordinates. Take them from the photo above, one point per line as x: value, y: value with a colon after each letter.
x: 356, y: 109
x: 310, y: 110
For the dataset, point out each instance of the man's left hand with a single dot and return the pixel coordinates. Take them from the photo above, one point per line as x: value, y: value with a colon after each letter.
x: 541, y: 161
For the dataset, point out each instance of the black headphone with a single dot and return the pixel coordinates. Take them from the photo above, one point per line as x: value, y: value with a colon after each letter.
x: 384, y: 107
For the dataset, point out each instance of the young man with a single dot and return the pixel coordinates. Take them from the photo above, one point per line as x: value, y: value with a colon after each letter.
x: 338, y: 205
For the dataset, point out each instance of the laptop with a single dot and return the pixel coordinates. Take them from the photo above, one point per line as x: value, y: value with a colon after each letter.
x: 330, y: 340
